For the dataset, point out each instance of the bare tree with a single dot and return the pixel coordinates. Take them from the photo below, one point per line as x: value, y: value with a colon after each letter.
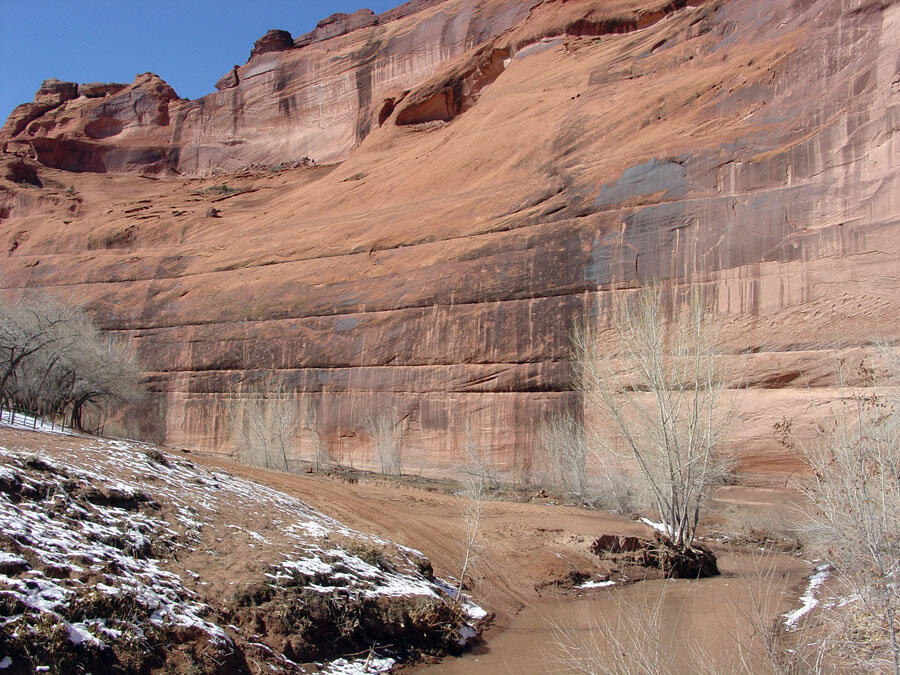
x: 477, y: 479
x: 386, y: 432
x: 855, y: 525
x: 654, y: 380
x: 95, y: 371
x: 475, y: 464
x: 56, y: 362
x: 29, y: 326
x: 269, y: 425
x: 565, y: 448
x: 473, y: 494
x: 320, y: 454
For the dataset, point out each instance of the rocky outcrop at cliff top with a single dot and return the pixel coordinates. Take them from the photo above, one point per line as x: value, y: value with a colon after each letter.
x: 273, y: 41
x: 499, y: 171
x: 337, y: 24
x: 317, y: 96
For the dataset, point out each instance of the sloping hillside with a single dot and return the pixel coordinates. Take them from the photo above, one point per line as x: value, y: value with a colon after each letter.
x: 119, y: 557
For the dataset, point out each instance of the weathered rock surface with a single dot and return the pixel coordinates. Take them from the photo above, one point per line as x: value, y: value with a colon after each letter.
x: 507, y: 169
x: 337, y: 24
x: 55, y: 92
x: 100, y: 89
x: 273, y: 41
x: 283, y: 104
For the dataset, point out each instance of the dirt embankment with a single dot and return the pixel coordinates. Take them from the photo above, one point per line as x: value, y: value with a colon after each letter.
x: 118, y: 557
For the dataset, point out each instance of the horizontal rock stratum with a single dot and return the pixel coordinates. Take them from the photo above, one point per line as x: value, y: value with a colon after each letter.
x: 415, y: 207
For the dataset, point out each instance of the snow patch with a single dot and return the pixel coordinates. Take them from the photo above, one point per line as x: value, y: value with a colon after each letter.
x: 659, y: 527
x: 78, y: 635
x: 22, y: 421
x: 474, y: 612
x: 808, y: 599
x: 374, y: 664
x: 11, y: 559
x: 596, y: 584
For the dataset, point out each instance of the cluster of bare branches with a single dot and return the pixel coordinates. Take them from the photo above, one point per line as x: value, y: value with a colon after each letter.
x: 473, y: 494
x: 55, y: 362
x: 566, y: 448
x: 653, y: 385
x: 277, y: 427
x: 855, y: 523
x: 269, y: 424
x: 386, y: 432
x: 577, y: 465
x: 475, y: 484
x: 321, y: 458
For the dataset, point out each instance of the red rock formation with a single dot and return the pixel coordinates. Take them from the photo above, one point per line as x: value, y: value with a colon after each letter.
x: 273, y: 41
x: 748, y: 146
x: 457, y: 92
x: 100, y: 89
x: 282, y: 105
x: 54, y: 92
x: 337, y: 24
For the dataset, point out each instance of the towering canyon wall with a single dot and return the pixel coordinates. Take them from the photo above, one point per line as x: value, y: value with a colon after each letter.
x: 316, y: 97
x: 505, y: 170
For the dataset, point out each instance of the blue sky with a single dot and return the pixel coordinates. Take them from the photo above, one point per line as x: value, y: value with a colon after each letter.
x: 189, y: 43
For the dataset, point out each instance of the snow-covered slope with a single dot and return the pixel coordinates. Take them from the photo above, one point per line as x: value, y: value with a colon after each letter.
x: 117, y: 556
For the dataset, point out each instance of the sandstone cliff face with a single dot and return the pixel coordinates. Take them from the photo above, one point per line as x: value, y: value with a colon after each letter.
x: 315, y: 97
x: 507, y: 169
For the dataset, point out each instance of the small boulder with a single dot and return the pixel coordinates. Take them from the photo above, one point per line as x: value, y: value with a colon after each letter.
x: 11, y: 565
x: 212, y: 212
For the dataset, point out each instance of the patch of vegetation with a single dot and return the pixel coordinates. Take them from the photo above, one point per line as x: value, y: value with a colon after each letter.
x: 156, y: 456
x: 371, y: 554
x: 56, y: 363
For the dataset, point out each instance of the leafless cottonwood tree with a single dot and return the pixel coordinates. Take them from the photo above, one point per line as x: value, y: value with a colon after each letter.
x: 655, y: 382
x: 855, y: 525
x: 29, y: 326
x: 269, y: 423
x: 477, y: 480
x: 474, y: 494
x: 320, y: 455
x: 54, y: 361
x: 386, y: 432
x: 475, y: 463
x: 566, y: 447
x: 101, y: 372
